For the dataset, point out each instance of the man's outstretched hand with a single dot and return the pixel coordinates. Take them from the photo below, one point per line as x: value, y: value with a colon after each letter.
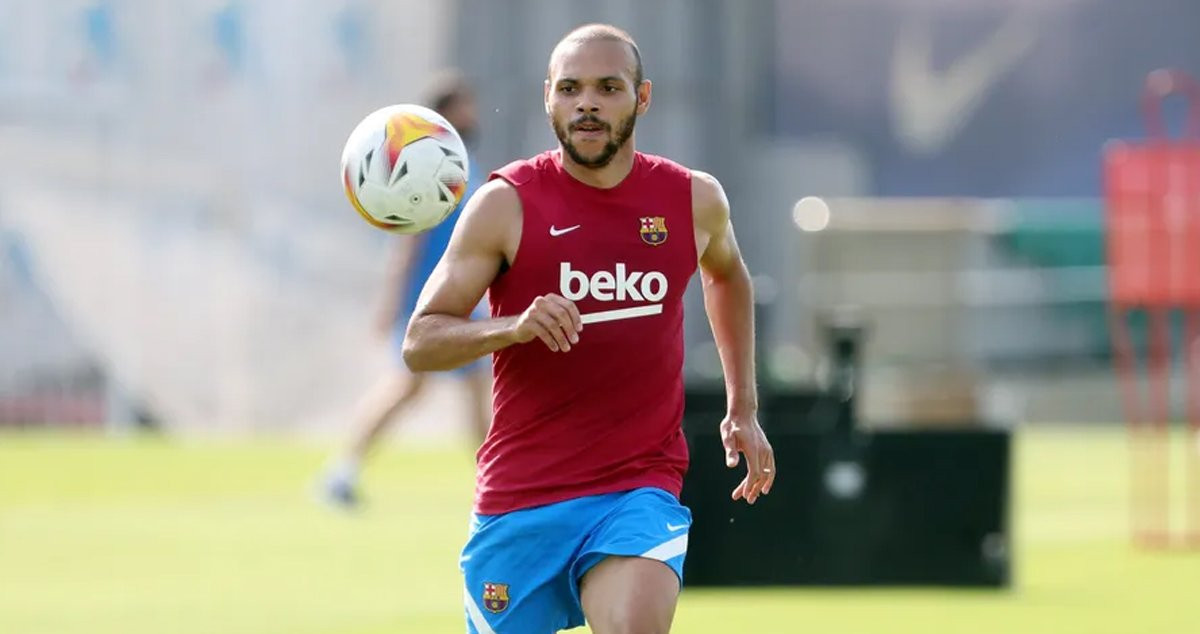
x: 741, y: 434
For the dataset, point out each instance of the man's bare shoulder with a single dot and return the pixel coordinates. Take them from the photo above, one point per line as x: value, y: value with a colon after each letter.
x: 490, y: 222
x: 495, y: 203
x: 710, y: 206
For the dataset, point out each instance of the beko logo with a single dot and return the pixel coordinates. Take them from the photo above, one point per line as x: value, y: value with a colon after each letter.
x: 606, y: 286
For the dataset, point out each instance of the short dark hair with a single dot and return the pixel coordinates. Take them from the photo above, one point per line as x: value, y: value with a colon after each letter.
x: 444, y: 88
x: 606, y: 33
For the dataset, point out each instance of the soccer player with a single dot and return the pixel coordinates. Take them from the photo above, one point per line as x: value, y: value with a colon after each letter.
x: 585, y: 252
x: 410, y: 263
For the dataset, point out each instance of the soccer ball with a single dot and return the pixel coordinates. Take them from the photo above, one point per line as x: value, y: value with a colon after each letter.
x: 404, y: 168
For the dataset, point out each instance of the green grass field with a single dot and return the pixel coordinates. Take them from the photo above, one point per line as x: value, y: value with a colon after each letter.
x: 101, y: 536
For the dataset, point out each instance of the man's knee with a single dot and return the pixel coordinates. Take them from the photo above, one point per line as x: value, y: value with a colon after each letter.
x: 404, y: 386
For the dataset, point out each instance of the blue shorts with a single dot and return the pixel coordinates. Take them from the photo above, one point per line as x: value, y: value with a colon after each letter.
x: 522, y: 569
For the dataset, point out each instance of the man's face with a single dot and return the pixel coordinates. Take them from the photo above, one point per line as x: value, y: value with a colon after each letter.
x: 592, y: 101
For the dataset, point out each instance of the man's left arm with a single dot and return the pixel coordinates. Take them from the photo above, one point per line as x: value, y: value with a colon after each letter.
x: 729, y: 302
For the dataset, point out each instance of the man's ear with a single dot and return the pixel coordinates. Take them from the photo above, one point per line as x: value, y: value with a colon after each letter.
x: 643, y: 96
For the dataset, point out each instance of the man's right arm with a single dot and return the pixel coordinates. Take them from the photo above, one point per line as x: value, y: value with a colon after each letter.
x: 441, y: 335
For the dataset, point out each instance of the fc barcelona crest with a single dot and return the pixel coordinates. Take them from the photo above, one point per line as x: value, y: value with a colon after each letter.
x: 654, y: 230
x: 495, y: 597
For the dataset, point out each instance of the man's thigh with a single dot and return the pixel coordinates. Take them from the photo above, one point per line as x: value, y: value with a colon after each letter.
x: 631, y: 568
x: 629, y: 594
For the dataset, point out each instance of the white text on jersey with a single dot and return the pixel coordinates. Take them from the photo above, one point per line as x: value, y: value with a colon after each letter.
x: 608, y: 286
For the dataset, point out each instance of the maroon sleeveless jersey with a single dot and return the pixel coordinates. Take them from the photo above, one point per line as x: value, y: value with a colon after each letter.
x: 607, y: 415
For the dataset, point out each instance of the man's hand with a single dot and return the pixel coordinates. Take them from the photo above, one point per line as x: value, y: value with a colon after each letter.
x: 551, y: 318
x: 742, y: 434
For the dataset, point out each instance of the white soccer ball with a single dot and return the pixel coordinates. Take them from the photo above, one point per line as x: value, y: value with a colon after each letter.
x: 404, y: 168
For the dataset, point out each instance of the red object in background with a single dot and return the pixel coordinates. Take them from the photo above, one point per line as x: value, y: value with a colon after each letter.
x: 1152, y: 196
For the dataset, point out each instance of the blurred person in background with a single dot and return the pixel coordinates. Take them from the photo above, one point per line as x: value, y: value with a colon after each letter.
x: 411, y: 261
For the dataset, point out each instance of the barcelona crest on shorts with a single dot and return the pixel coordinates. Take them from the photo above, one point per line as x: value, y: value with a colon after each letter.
x: 495, y: 597
x: 654, y: 230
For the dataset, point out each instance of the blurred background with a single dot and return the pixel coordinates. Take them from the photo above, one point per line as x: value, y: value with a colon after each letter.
x: 176, y: 255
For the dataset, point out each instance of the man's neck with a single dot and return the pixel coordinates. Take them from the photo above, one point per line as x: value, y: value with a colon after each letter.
x: 605, y: 177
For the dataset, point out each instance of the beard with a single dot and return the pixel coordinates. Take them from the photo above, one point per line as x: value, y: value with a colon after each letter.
x: 615, y: 142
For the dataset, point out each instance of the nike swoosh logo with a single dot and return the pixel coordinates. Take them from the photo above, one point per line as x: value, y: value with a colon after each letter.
x: 558, y: 232
x: 676, y: 527
x: 929, y: 107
